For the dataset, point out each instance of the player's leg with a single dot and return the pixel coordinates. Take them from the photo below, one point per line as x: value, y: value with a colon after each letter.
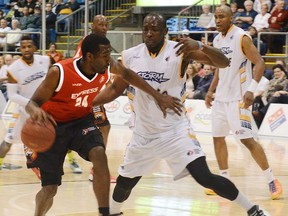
x: 44, y: 199
x: 101, y: 177
x: 259, y: 156
x: 4, y: 149
x: 222, y: 186
x: 241, y: 126
x: 74, y: 166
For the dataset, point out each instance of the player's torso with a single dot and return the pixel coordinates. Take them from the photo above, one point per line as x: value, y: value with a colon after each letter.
x: 29, y: 77
x: 233, y: 80
x: 75, y: 92
x: 163, y: 73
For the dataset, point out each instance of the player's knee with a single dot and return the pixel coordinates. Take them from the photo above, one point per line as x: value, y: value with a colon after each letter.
x: 50, y: 190
x: 249, y: 143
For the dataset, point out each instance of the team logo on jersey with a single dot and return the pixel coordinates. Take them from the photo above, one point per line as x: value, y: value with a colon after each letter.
x: 231, y: 37
x: 167, y: 58
x: 102, y: 79
x: 152, y: 76
x: 226, y: 50
x: 77, y: 84
x: 127, y: 108
x: 33, y: 77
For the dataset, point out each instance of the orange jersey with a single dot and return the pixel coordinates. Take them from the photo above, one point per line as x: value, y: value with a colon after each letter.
x: 75, y: 92
x: 78, y: 52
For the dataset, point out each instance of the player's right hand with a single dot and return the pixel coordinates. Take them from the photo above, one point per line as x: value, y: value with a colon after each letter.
x: 173, y: 103
x: 209, y: 99
x: 37, y: 114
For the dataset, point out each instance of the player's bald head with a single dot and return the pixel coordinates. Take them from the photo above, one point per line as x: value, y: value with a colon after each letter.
x: 99, y: 18
x: 100, y: 25
x: 225, y: 10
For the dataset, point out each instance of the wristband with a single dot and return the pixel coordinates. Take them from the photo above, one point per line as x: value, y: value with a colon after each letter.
x: 253, y: 86
x: 200, y: 44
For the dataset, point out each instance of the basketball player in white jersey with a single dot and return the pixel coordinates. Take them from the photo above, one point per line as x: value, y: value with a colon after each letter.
x: 24, y: 76
x: 154, y: 138
x: 234, y: 94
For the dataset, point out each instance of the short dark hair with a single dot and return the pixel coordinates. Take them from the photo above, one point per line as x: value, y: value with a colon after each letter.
x: 26, y: 37
x: 92, y: 42
x: 159, y: 16
x: 278, y: 66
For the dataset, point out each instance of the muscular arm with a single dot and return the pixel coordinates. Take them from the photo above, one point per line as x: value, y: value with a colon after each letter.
x: 207, y: 55
x: 111, y: 92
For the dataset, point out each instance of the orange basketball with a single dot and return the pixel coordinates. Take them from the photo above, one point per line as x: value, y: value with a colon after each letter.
x: 38, y: 136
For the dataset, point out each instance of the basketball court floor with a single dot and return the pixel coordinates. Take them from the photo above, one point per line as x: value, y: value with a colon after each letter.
x: 155, y: 195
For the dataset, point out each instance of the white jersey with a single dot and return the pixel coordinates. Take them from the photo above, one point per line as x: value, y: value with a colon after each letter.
x: 236, y: 78
x: 29, y: 77
x: 163, y: 73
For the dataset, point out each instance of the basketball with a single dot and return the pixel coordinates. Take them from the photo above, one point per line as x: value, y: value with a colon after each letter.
x: 38, y: 136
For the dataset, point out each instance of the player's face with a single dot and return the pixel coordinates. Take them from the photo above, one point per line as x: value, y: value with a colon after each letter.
x: 153, y: 32
x: 100, y: 61
x: 27, y: 49
x: 100, y: 26
x: 223, y: 20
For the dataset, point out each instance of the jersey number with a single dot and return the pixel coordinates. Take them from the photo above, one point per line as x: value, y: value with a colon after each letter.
x: 82, y: 101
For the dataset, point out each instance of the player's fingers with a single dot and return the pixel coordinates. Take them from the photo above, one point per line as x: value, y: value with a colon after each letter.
x: 179, y: 43
x: 164, y: 112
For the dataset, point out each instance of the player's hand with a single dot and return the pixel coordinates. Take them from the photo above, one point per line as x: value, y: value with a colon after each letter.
x: 169, y: 102
x: 248, y: 99
x: 186, y: 46
x: 209, y: 99
x: 37, y: 114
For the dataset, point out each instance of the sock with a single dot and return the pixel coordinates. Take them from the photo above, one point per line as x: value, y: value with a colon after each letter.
x: 70, y: 156
x: 225, y: 173
x: 115, y: 207
x: 104, y: 211
x: 269, y: 175
x: 243, y: 201
x: 1, y: 161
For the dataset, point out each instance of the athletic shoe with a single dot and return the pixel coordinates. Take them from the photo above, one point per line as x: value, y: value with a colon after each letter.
x: 90, y: 177
x: 118, y: 214
x: 37, y: 172
x: 75, y: 167
x: 210, y: 192
x: 255, y: 211
x: 275, y: 189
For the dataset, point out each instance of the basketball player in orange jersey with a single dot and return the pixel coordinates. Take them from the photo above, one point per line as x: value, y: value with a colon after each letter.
x: 99, y: 27
x: 66, y: 98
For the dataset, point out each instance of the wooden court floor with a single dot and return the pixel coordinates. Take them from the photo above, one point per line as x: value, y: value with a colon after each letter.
x: 155, y: 195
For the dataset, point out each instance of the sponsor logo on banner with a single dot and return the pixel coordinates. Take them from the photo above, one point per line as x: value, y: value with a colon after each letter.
x: 276, y: 119
x: 112, y: 106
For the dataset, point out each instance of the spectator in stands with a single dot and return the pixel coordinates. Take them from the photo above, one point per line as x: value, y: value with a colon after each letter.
x: 10, y: 4
x: 8, y: 59
x: 257, y: 6
x: 254, y: 35
x: 13, y: 36
x: 62, y: 10
x: 240, y: 4
x: 277, y: 84
x: 224, y: 2
x: 191, y: 72
x: 50, y: 24
x: 204, y: 83
x: 281, y: 62
x: 24, y: 20
x: 2, y: 14
x: 261, y: 20
x: 73, y: 4
x: 277, y: 21
x: 199, y: 68
x: 246, y: 17
x: 30, y: 4
x: 3, y: 30
x: 236, y: 13
x: 205, y: 17
x: 54, y: 54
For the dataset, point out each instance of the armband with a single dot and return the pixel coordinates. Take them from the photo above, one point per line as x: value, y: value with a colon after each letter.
x: 253, y: 86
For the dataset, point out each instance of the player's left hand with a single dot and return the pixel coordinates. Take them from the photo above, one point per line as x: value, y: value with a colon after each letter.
x: 167, y: 101
x: 186, y: 45
x: 248, y: 99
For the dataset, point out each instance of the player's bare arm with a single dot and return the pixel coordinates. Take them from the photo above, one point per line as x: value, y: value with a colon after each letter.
x: 211, y: 90
x: 163, y: 101
x: 192, y: 49
x: 42, y: 94
x: 111, y: 92
x: 253, y: 55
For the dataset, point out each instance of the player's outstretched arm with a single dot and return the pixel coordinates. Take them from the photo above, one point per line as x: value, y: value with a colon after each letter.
x: 196, y: 50
x: 42, y: 94
x: 163, y: 101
